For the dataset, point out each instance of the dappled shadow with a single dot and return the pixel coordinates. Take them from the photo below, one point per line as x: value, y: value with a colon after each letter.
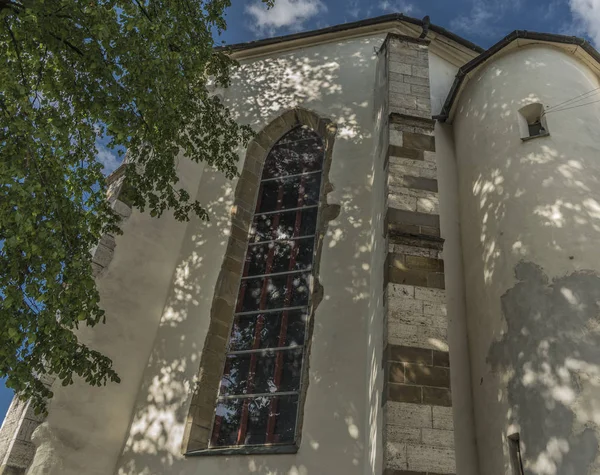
x: 552, y: 350
x: 338, y: 86
x: 528, y: 206
x: 314, y: 78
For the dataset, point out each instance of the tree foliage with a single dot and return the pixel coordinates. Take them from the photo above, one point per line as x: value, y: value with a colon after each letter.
x: 74, y: 71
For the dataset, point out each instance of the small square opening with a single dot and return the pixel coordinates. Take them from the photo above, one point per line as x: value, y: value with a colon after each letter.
x: 532, y: 121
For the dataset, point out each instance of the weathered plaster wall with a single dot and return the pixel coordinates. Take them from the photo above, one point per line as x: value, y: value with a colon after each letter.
x: 337, y: 81
x: 530, y: 231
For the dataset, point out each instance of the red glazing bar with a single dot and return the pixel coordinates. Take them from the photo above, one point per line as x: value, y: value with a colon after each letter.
x: 284, y: 315
x: 242, y: 292
x: 216, y: 430
x: 260, y: 323
x: 238, y: 308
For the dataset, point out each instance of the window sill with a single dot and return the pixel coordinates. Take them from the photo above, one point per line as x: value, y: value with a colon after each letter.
x: 525, y: 139
x: 249, y: 450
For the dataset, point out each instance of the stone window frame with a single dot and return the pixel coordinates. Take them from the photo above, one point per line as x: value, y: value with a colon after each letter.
x: 200, y: 418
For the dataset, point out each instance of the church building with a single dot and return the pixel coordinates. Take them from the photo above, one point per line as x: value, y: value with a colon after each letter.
x: 403, y: 280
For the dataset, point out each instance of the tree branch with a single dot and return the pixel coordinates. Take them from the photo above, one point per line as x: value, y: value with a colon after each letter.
x: 17, y: 7
x: 143, y: 10
x: 69, y: 44
x: 14, y: 40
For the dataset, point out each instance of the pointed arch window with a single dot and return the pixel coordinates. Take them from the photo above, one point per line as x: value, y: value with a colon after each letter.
x: 259, y: 395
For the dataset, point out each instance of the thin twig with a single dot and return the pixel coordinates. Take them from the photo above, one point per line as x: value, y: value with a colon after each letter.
x: 143, y: 10
x: 14, y: 40
x: 17, y: 7
x: 70, y: 45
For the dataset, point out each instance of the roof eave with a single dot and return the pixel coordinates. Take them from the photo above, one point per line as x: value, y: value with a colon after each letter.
x: 458, y: 84
x: 394, y: 17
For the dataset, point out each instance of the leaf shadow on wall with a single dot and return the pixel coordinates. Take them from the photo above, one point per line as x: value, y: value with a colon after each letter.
x: 541, y: 363
x: 265, y: 88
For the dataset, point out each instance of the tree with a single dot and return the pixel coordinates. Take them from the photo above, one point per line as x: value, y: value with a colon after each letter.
x: 74, y: 71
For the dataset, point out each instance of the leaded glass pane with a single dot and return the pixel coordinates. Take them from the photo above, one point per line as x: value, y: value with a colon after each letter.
x: 261, y: 384
x: 275, y: 329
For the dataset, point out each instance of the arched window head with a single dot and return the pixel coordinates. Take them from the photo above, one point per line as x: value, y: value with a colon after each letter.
x: 259, y: 395
x: 532, y: 121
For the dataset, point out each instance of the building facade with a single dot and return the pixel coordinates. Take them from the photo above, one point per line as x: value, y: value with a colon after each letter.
x: 403, y: 280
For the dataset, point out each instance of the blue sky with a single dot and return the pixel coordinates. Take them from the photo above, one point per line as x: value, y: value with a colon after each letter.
x: 482, y: 21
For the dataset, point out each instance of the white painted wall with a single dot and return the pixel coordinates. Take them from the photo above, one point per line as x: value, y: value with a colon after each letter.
x: 460, y: 369
x: 537, y: 201
x: 441, y: 77
x: 85, y: 428
x: 337, y: 81
x: 442, y: 74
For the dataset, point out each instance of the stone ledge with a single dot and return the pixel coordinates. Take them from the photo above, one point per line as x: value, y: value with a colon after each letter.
x: 416, y: 183
x: 398, y: 231
x: 404, y: 38
x: 411, y: 121
x: 417, y: 241
x: 247, y: 450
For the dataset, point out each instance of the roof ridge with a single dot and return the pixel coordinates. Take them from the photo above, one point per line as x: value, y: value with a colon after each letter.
x: 349, y: 26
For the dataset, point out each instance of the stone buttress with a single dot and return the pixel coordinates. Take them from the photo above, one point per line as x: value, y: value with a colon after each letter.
x: 418, y: 421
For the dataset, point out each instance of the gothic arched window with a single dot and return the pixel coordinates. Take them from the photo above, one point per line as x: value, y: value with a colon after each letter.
x: 260, y: 390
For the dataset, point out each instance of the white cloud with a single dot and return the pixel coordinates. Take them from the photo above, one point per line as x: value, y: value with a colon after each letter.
x: 110, y: 160
x: 353, y: 9
x: 476, y: 21
x: 290, y: 14
x: 397, y: 6
x: 586, y: 14
x: 483, y: 17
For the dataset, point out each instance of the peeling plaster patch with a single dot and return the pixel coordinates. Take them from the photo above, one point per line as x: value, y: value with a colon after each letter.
x: 551, y: 352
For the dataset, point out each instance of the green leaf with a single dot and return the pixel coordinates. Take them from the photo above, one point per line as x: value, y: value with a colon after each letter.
x: 67, y: 76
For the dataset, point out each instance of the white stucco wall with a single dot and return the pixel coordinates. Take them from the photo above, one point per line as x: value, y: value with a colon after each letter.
x: 442, y: 74
x: 533, y: 339
x: 86, y: 425
x: 441, y: 77
x: 337, y: 81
